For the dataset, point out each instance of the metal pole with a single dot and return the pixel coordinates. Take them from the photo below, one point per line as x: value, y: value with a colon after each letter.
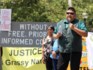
x: 70, y: 3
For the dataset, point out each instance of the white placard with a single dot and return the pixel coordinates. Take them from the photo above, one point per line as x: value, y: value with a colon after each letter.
x: 89, y: 45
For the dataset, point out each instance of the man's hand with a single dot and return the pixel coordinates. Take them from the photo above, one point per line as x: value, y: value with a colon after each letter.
x: 71, y: 26
x: 54, y: 54
x: 77, y: 30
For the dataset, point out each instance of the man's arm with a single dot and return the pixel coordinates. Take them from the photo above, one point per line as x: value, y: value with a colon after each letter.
x: 78, y: 31
x: 58, y: 32
x: 56, y: 36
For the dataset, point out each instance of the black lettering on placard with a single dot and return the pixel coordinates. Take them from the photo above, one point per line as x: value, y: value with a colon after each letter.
x: 10, y: 62
x: 83, y: 68
x: 36, y: 61
x: 22, y: 62
x: 25, y: 52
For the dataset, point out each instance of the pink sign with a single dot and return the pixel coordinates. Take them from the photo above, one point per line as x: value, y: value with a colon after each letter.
x: 5, y: 19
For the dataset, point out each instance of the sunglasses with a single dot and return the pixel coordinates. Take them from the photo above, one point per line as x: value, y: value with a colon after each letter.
x: 70, y: 13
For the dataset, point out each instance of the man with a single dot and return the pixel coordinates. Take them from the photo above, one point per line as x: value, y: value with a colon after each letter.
x: 69, y: 35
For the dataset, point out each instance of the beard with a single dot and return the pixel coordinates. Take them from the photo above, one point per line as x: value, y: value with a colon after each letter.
x: 69, y: 19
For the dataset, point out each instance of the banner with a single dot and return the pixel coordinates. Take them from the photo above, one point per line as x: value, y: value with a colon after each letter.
x: 22, y: 59
x: 29, y: 58
x: 83, y: 63
x: 5, y: 19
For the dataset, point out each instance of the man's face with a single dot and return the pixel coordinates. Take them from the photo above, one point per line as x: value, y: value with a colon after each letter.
x: 70, y: 15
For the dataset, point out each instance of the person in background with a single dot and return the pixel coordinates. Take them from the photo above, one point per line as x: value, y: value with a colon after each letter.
x: 69, y: 33
x: 47, y: 44
x: 55, y: 54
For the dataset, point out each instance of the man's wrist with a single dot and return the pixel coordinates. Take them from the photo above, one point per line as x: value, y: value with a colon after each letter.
x: 74, y: 28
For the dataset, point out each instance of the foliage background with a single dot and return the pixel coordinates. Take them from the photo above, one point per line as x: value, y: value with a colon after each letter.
x: 47, y: 10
